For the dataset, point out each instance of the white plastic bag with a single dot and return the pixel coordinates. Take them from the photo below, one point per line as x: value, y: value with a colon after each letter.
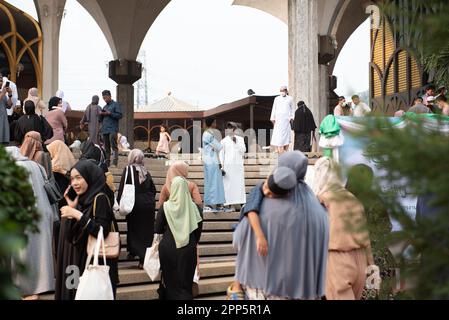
x: 196, y: 276
x: 95, y: 283
x: 128, y: 195
x: 152, y: 265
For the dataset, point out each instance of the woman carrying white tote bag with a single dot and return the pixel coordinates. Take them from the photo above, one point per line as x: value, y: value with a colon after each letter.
x: 95, y: 283
x: 152, y: 265
x: 128, y: 198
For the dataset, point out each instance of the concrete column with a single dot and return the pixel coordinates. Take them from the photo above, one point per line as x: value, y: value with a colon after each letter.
x: 304, y: 70
x: 125, y: 96
x: 324, y: 94
x: 125, y: 73
x: 50, y: 16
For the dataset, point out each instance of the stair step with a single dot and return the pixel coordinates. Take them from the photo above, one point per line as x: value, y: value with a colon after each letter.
x: 149, y: 292
x: 219, y: 225
x: 130, y: 275
x: 208, y: 237
x: 209, y: 216
x: 203, y: 260
x: 204, y: 250
x: 207, y: 226
x: 216, y: 237
x: 216, y: 249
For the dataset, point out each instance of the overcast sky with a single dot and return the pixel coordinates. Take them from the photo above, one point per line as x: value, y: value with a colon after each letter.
x: 206, y: 52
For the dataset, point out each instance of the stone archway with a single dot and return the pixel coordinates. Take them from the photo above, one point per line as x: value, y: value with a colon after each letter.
x: 20, y: 48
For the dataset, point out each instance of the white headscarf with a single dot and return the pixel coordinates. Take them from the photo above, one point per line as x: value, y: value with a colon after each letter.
x: 327, y: 177
x: 65, y: 104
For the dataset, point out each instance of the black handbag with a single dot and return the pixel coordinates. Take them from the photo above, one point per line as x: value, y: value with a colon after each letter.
x: 54, y: 194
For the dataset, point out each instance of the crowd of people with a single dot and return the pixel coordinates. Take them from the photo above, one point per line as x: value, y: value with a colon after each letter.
x: 294, y: 241
x: 17, y: 119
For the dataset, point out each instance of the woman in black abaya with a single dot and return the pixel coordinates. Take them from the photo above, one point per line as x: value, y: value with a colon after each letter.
x: 78, y: 222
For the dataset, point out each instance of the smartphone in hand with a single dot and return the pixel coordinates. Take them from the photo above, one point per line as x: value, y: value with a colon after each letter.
x: 72, y: 194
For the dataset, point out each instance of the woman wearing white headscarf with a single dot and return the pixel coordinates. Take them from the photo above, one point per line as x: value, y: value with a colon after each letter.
x: 65, y: 105
x: 141, y: 220
x: 349, y: 242
x: 37, y: 256
x: 33, y: 95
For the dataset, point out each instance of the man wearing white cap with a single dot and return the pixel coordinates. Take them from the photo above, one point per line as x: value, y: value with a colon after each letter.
x: 282, y: 114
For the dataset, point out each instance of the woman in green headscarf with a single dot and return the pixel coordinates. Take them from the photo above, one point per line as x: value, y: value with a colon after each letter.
x: 180, y: 222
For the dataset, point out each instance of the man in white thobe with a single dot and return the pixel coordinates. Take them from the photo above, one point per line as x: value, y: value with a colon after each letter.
x: 282, y: 114
x: 231, y: 158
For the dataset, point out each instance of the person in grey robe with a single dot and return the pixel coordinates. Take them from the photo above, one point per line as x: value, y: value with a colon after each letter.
x: 297, y: 230
x: 90, y: 118
x: 37, y: 255
x: 5, y: 106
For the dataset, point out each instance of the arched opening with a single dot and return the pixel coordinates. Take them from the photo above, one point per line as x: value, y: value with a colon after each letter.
x: 26, y: 6
x: 84, y: 55
x: 352, y: 64
x: 396, y: 75
x: 387, y: 75
x: 195, y: 55
x: 20, y: 48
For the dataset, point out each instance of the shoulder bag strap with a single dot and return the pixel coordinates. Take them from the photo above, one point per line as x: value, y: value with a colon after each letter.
x: 95, y: 209
x: 132, y: 175
x: 43, y: 173
x: 126, y: 176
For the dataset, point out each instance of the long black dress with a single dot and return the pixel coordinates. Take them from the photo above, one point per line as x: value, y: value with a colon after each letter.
x: 303, y: 125
x: 73, y: 237
x: 63, y: 182
x: 177, y: 265
x: 141, y: 220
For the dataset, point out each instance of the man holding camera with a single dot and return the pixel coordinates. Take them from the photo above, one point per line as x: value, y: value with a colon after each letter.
x: 343, y: 109
x: 109, y: 118
x: 6, y: 103
x: 15, y: 97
